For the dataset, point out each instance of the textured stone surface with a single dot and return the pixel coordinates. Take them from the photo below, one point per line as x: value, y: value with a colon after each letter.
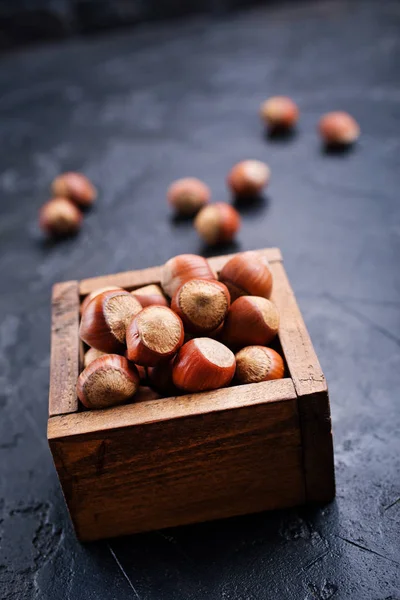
x: 135, y: 111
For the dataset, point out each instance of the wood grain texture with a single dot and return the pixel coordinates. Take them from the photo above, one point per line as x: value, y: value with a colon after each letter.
x: 134, y: 279
x: 199, y: 467
x: 312, y: 391
x: 64, y: 358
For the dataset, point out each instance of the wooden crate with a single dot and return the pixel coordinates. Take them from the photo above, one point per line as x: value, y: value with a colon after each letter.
x: 167, y: 462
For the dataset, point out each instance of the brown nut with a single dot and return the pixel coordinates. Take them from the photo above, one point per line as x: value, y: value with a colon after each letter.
x: 217, y: 223
x: 150, y: 295
x: 251, y: 321
x: 155, y: 334
x: 188, y: 195
x: 338, y: 128
x: 249, y: 177
x: 247, y: 274
x: 257, y: 363
x: 202, y: 305
x: 203, y: 364
x: 107, y: 381
x: 279, y: 112
x: 104, y: 320
x: 160, y: 378
x: 89, y: 297
x: 91, y: 355
x: 181, y: 268
x: 60, y: 217
x: 76, y: 187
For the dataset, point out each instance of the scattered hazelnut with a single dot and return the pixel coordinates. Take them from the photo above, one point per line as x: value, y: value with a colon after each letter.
x: 251, y: 321
x: 279, y: 112
x: 249, y: 177
x: 104, y: 320
x: 203, y: 364
x: 217, y: 223
x: 257, y: 363
x: 181, y: 268
x: 156, y: 333
x: 91, y: 355
x: 160, y: 378
x: 150, y: 295
x: 247, y: 274
x: 202, y: 305
x: 107, y: 381
x: 338, y: 128
x: 188, y: 195
x: 76, y: 187
x: 60, y: 217
x: 95, y: 293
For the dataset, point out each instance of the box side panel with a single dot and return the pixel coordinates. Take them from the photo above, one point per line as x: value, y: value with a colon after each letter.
x: 64, y: 358
x: 311, y: 388
x: 134, y: 279
x: 185, y: 470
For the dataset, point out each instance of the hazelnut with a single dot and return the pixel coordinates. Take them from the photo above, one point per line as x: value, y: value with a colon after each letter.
x: 203, y: 364
x: 249, y: 177
x: 181, y: 268
x: 156, y: 333
x: 104, y: 320
x: 217, y: 223
x: 257, y: 363
x: 338, y: 128
x: 91, y: 355
x: 251, y: 321
x: 150, y: 295
x: 76, y: 187
x: 188, y: 195
x: 279, y: 112
x: 247, y: 274
x: 160, y: 378
x: 107, y: 381
x: 60, y: 217
x: 95, y: 293
x: 202, y: 305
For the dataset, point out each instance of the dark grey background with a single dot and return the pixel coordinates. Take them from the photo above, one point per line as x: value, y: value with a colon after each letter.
x: 133, y: 111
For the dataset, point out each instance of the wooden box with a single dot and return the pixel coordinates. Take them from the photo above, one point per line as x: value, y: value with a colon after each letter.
x: 161, y: 463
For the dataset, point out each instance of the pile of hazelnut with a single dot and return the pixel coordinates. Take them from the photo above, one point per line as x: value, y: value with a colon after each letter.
x: 194, y: 333
x: 71, y: 194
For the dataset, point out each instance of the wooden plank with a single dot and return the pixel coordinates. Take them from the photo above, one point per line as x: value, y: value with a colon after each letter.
x: 312, y: 391
x: 134, y: 279
x: 166, y: 409
x: 195, y: 468
x: 64, y: 358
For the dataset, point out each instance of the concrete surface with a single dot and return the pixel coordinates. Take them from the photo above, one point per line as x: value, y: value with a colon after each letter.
x: 134, y: 111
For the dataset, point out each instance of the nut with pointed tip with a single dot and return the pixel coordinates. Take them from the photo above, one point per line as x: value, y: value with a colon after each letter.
x: 76, y: 187
x: 188, y: 195
x: 338, y: 128
x: 247, y: 274
x: 150, y: 295
x: 279, y: 112
x: 257, y: 363
x: 155, y: 334
x: 160, y: 378
x: 60, y: 217
x: 203, y: 364
x: 91, y: 355
x: 181, y: 268
x: 89, y: 297
x: 105, y: 318
x: 107, y: 381
x: 249, y: 177
x: 251, y: 321
x: 202, y: 305
x: 217, y: 223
